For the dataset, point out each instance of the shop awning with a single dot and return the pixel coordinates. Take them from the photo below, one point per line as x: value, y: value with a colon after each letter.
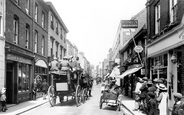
x: 129, y: 71
x: 41, y: 63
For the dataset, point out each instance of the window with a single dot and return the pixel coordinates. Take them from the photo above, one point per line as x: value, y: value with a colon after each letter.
x: 15, y: 29
x: 36, y: 41
x: 36, y: 12
x: 61, y: 50
x: 51, y: 49
x: 57, y: 49
x: 27, y: 6
x: 61, y: 36
x: 43, y: 44
x: 173, y: 5
x: 52, y: 21
x: 1, y: 25
x: 64, y: 37
x: 157, y: 19
x: 43, y: 20
x: 23, y: 77
x: 27, y: 36
x: 56, y: 27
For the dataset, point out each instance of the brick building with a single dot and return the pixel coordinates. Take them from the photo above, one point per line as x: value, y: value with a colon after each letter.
x: 165, y: 49
x: 26, y: 47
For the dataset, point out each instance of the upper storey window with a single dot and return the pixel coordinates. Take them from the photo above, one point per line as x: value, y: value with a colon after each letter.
x: 36, y: 12
x: 157, y: 19
x: 15, y: 29
x: 52, y: 21
x: 27, y: 6
x: 173, y: 9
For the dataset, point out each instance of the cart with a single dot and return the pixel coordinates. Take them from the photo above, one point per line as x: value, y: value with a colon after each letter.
x: 110, y: 97
x: 67, y: 84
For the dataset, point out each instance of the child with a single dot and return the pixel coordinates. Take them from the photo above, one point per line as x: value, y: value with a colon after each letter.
x: 3, y: 99
x: 152, y: 104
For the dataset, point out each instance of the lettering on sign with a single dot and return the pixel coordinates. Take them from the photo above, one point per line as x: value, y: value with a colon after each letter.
x: 18, y: 58
x: 129, y: 23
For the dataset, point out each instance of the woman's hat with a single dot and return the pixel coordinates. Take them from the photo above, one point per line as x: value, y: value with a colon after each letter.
x: 162, y: 87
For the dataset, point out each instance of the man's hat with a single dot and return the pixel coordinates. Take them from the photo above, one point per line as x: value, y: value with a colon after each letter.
x: 3, y: 90
x: 152, y: 89
x: 145, y: 78
x: 151, y: 94
x: 149, y: 82
x: 158, y: 80
x: 178, y: 95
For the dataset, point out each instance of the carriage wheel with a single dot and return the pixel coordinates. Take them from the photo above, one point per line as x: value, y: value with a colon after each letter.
x: 84, y: 95
x: 101, y: 102
x: 51, y: 96
x: 78, y: 95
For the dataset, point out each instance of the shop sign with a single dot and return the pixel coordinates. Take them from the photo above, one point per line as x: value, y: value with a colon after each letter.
x: 18, y: 58
x: 129, y: 23
x: 138, y: 49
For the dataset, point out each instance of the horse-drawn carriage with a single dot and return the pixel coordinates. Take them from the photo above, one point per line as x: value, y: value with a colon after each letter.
x: 67, y: 83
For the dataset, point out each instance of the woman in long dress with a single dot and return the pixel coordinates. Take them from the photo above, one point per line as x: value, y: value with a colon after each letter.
x: 163, y: 100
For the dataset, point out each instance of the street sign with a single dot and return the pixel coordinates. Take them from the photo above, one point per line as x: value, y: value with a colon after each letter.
x: 129, y: 23
x: 138, y: 49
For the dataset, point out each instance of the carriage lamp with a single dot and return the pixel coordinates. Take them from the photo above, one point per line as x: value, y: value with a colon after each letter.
x: 173, y: 59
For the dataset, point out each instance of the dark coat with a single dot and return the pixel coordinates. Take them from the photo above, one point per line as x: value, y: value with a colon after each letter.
x: 152, y: 107
x: 176, y: 108
x: 45, y: 86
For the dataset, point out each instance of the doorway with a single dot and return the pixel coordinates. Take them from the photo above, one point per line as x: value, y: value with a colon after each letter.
x: 9, y: 81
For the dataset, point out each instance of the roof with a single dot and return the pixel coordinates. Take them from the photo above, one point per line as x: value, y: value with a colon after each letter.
x: 51, y: 6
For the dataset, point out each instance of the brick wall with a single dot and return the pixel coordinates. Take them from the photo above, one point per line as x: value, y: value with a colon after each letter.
x: 182, y: 62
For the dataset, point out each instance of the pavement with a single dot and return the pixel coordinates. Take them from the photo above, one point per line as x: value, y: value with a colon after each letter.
x: 129, y: 104
x: 17, y: 109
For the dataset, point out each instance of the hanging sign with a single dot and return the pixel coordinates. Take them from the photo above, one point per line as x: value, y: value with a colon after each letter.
x: 138, y: 49
x: 129, y: 23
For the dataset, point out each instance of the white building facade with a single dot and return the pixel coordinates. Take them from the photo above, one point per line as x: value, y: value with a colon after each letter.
x: 57, y: 34
x: 2, y: 43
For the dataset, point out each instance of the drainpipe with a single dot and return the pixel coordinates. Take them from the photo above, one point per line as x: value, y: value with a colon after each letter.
x: 33, y: 70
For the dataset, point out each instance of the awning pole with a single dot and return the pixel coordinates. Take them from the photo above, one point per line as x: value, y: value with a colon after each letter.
x: 135, y: 46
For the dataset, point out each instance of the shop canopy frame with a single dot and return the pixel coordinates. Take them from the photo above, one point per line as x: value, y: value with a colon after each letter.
x: 129, y: 71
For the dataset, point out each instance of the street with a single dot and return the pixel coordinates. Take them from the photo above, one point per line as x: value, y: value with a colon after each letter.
x: 90, y: 107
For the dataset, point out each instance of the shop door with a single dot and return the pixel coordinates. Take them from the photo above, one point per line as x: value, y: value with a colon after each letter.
x: 9, y: 82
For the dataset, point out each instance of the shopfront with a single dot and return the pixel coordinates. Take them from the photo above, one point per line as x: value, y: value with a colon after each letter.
x: 41, y: 73
x: 165, y: 57
x: 18, y: 78
x: 129, y: 79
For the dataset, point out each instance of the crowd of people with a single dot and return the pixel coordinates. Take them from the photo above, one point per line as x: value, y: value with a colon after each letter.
x: 151, y: 97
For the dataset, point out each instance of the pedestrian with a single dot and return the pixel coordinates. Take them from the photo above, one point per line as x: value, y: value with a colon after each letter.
x: 152, y: 104
x: 137, y: 93
x: 163, y: 100
x: 178, y: 103
x: 34, y: 89
x: 3, y: 99
x: 45, y: 87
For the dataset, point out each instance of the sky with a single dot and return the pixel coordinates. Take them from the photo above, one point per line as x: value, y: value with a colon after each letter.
x: 93, y: 24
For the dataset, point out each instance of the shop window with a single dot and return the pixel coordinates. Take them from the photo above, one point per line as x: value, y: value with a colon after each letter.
x: 23, y: 77
x: 159, y: 66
